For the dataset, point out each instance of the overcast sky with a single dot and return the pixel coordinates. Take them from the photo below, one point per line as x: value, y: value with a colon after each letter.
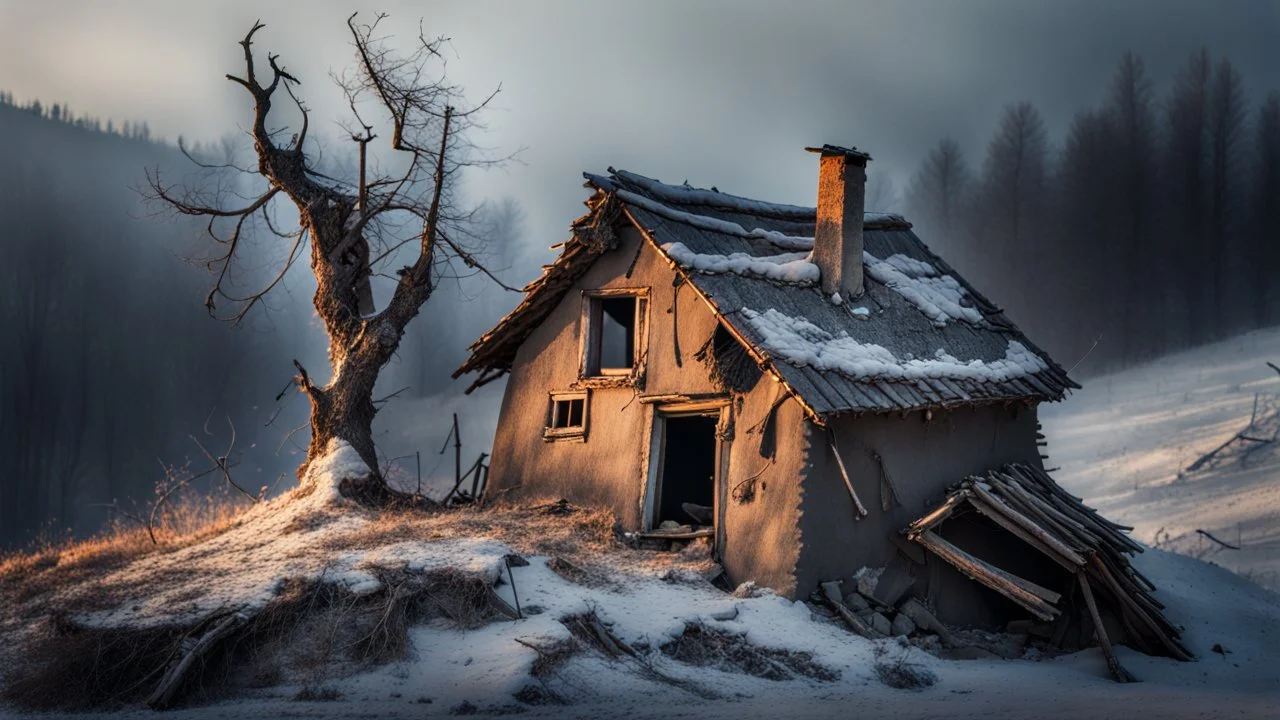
x: 715, y: 92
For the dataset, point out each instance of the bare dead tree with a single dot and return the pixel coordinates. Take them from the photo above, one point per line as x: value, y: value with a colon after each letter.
x: 354, y: 230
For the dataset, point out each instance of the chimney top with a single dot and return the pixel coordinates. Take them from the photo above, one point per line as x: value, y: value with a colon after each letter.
x: 837, y: 238
x: 848, y: 152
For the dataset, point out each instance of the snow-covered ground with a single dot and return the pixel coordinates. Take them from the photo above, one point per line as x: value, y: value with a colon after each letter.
x: 484, y: 668
x: 1121, y: 441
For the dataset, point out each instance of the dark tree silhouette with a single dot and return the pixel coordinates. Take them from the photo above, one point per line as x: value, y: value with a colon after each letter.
x: 1265, y: 257
x: 939, y: 191
x: 1226, y: 118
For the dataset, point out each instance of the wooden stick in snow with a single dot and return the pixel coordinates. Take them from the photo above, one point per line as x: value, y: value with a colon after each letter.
x: 1117, y: 670
x: 172, y: 681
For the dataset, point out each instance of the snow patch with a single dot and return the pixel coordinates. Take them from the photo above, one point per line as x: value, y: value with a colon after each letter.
x: 940, y: 297
x: 792, y: 268
x: 325, y: 473
x: 804, y: 344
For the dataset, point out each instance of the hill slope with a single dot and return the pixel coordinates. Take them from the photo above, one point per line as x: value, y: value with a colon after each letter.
x: 1127, y: 443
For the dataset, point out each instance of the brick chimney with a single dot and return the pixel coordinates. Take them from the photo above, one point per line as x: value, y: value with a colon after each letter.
x: 837, y: 242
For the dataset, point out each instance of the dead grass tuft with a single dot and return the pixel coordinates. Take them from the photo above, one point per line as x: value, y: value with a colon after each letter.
x: 901, y: 673
x: 705, y: 646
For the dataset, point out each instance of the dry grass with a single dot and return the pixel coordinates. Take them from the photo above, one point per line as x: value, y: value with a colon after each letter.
x: 51, y: 564
x: 308, y: 634
x: 586, y: 538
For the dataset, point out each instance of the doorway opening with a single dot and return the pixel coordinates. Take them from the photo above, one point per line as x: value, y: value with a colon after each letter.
x: 686, y: 487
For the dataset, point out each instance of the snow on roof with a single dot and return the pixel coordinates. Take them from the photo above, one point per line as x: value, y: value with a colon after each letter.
x: 800, y: 342
x: 795, y: 268
x: 939, y: 296
x: 920, y: 335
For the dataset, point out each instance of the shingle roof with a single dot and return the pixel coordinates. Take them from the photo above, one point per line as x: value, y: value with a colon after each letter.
x: 920, y: 335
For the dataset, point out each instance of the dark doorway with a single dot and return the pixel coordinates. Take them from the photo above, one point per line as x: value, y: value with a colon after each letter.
x: 688, y: 470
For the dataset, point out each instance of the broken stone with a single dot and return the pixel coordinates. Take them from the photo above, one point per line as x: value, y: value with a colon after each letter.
x: 903, y: 625
x: 920, y: 615
x: 669, y: 525
x: 865, y: 580
x: 856, y: 602
x: 880, y: 623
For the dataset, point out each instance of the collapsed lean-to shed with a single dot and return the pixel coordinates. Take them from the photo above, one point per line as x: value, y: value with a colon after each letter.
x: 828, y: 389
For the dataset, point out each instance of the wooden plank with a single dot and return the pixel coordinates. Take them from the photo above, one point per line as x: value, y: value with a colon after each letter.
x: 1073, y: 559
x: 1117, y: 670
x: 942, y: 512
x: 1024, y: 592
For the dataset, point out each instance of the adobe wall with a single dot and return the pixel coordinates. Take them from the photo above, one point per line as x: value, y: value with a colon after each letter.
x: 923, y: 458
x: 609, y: 468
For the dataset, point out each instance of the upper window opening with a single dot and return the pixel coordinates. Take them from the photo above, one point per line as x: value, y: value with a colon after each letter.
x: 616, y: 339
x: 614, y: 324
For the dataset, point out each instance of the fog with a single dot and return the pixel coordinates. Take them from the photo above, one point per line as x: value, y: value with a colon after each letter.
x: 715, y: 93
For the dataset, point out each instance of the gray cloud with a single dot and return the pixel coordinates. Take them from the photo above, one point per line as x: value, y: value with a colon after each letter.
x: 719, y: 92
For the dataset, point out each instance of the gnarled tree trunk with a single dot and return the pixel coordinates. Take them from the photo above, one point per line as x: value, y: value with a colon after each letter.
x: 338, y: 219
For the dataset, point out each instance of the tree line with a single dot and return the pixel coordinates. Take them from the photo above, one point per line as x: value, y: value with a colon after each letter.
x: 61, y: 112
x: 1153, y: 226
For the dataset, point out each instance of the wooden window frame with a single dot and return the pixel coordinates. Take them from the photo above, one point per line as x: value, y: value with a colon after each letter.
x: 589, y: 374
x: 574, y: 432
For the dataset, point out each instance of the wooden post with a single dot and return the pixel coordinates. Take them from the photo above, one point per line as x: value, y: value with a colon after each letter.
x: 457, y: 454
x: 418, y: 458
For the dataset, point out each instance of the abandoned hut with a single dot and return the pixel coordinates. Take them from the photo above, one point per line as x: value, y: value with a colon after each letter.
x: 814, y: 392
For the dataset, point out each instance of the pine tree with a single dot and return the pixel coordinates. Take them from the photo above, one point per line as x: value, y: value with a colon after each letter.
x: 939, y: 191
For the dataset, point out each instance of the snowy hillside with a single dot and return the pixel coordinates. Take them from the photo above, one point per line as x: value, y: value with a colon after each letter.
x: 1123, y: 439
x: 514, y: 667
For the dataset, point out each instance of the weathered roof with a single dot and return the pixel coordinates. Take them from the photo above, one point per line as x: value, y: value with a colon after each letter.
x: 920, y: 336
x: 1027, y: 502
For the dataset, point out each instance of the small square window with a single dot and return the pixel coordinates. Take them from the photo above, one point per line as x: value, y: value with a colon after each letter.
x: 566, y: 416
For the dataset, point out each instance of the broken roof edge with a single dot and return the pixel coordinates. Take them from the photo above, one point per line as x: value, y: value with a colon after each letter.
x: 625, y: 180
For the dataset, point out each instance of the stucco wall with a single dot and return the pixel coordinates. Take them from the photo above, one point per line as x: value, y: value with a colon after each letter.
x: 923, y: 457
x: 609, y: 468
